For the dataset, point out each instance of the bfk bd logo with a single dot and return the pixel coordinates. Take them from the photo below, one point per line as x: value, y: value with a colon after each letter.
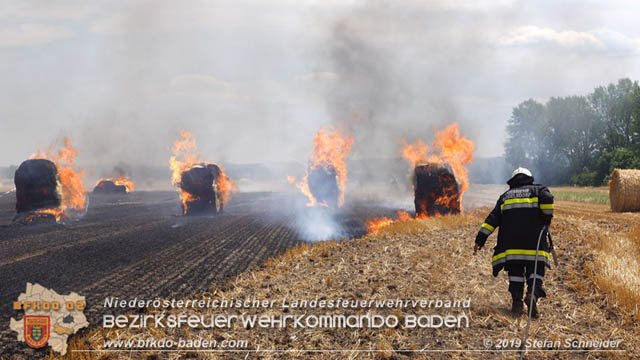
x: 49, y: 318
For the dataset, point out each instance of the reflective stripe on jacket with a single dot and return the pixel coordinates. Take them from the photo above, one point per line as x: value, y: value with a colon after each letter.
x: 520, y: 214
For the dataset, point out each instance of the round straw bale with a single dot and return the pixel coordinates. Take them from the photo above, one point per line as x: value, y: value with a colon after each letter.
x: 37, y: 185
x: 436, y: 190
x: 323, y: 184
x: 201, y: 183
x: 109, y: 187
x: 624, y: 190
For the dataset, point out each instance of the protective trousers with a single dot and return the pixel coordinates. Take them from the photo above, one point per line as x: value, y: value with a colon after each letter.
x: 519, y: 272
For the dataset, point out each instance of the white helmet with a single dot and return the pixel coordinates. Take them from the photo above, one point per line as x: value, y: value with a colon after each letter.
x: 521, y: 170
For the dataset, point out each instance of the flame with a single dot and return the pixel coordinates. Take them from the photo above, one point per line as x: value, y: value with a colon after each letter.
x: 226, y: 186
x: 186, y: 197
x: 331, y: 146
x: 120, y: 181
x: 376, y: 224
x: 448, y: 147
x: 373, y: 226
x: 457, y: 151
x: 73, y: 193
x: 415, y: 153
x: 184, y: 158
x: 57, y: 213
x: 303, y: 186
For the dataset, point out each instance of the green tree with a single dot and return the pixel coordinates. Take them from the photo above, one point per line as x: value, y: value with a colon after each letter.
x: 614, y: 105
x: 525, y: 145
x: 635, y: 119
x: 574, y: 131
x: 577, y: 139
x: 624, y: 159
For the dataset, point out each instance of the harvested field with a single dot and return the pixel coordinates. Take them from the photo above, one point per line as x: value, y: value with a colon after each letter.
x: 139, y: 244
x: 432, y: 259
x: 598, y: 195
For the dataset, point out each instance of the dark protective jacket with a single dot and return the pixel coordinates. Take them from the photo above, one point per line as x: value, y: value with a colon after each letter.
x: 521, y: 213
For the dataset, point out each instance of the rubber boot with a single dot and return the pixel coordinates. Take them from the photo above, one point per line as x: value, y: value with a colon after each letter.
x: 534, y: 307
x: 517, y: 305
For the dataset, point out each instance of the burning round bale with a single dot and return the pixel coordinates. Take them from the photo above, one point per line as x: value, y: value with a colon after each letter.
x: 624, y: 190
x: 49, y: 188
x: 203, y: 186
x: 199, y: 186
x: 323, y: 184
x: 109, y: 187
x: 436, y: 190
x: 326, y: 178
x: 120, y: 185
x: 37, y: 185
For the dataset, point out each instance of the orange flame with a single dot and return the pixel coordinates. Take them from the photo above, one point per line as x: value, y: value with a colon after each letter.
x: 457, y: 151
x: 120, y: 181
x: 331, y: 146
x: 57, y: 213
x: 415, y: 153
x: 448, y: 147
x: 184, y: 158
x: 376, y: 224
x: 303, y: 186
x: 226, y: 186
x: 403, y: 216
x: 73, y: 193
x: 373, y: 226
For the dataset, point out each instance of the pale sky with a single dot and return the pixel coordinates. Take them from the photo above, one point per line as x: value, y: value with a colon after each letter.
x: 254, y: 80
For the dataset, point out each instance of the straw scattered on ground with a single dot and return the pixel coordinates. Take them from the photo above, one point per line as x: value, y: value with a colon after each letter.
x: 593, y: 293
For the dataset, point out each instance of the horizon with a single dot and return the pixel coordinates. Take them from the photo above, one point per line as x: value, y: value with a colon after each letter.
x: 254, y: 80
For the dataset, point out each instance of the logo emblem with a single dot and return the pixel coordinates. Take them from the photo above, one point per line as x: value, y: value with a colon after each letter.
x: 36, y: 330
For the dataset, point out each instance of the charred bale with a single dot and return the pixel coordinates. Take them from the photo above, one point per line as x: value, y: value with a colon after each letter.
x: 323, y: 184
x: 436, y: 190
x: 201, y: 183
x: 35, y: 217
x: 109, y: 187
x: 37, y: 185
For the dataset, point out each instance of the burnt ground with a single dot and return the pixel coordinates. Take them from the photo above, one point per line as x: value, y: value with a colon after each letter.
x: 429, y: 259
x: 137, y: 245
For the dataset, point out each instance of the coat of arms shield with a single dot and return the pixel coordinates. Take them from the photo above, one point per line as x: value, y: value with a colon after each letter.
x: 36, y: 330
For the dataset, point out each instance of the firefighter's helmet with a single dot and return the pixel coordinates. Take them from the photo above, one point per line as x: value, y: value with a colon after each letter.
x: 521, y: 170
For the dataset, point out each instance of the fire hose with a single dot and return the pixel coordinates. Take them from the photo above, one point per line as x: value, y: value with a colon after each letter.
x: 553, y: 249
x: 544, y: 231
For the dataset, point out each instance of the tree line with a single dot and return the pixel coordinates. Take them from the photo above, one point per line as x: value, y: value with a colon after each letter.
x: 577, y: 140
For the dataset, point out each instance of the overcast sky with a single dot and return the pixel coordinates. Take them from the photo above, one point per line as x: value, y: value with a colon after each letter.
x: 254, y: 80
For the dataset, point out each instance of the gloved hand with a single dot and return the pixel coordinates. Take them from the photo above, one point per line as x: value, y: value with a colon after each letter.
x: 476, y: 247
x: 480, y: 240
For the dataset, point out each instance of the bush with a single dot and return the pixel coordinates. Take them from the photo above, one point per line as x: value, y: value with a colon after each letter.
x: 624, y: 159
x: 585, y: 178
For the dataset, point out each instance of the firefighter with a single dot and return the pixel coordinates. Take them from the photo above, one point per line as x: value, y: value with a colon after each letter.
x: 522, y: 213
